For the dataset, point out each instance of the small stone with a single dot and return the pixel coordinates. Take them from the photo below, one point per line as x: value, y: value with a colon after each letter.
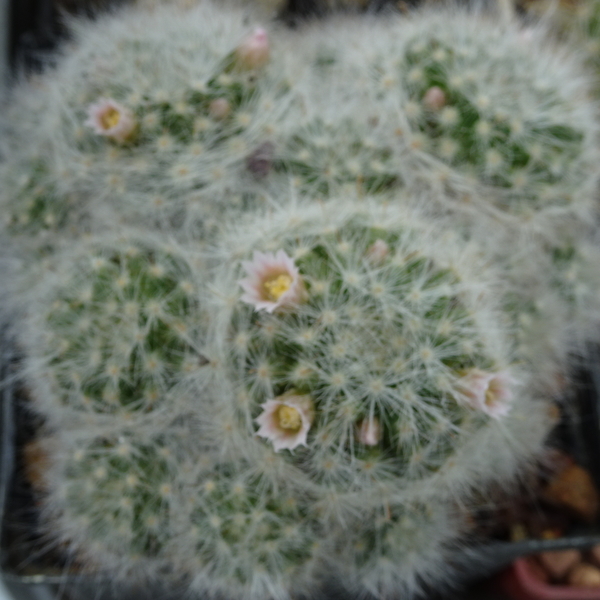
x: 551, y: 534
x: 518, y: 532
x: 574, y: 488
x: 584, y: 575
x: 559, y: 562
x: 536, y: 569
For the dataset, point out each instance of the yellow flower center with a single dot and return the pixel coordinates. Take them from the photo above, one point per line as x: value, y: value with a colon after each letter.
x: 110, y: 118
x: 491, y: 395
x: 277, y: 286
x: 289, y: 418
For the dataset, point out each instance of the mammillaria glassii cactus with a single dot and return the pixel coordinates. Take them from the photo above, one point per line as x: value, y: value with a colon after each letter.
x: 153, y: 116
x: 335, y: 367
x: 504, y: 131
x: 369, y: 359
x: 373, y: 351
x: 116, y: 327
x: 490, y: 110
x: 312, y: 393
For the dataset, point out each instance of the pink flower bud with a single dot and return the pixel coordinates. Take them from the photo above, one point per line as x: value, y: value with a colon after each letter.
x: 260, y: 160
x: 369, y: 431
x: 434, y: 98
x: 219, y: 109
x: 378, y: 252
x: 254, y: 51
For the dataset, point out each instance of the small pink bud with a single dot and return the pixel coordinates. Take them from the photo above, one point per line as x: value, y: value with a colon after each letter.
x: 369, y: 431
x: 219, y: 109
x: 254, y: 51
x: 378, y: 252
x: 434, y: 98
x: 260, y: 160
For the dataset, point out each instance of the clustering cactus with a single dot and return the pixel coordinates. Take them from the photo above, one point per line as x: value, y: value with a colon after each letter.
x: 284, y: 312
x: 120, y: 330
x: 361, y: 338
x: 155, y: 117
x: 486, y: 109
x: 578, y: 22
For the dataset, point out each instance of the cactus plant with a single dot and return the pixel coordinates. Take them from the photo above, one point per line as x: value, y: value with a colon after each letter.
x: 489, y: 110
x: 310, y: 352
x: 153, y: 117
x: 320, y: 367
x: 116, y: 329
x: 364, y: 347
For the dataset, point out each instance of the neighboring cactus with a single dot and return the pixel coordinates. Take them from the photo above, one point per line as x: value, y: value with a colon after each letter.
x: 496, y: 122
x: 152, y: 117
x: 489, y: 110
x: 578, y: 23
x: 115, y: 329
x: 364, y: 346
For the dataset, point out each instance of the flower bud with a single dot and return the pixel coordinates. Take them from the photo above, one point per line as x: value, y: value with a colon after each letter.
x: 219, y: 109
x: 254, y: 51
x: 369, y: 431
x: 434, y: 98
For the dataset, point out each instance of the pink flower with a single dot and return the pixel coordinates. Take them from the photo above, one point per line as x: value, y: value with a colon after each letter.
x: 273, y: 281
x: 113, y: 120
x: 434, y: 98
x: 254, y: 51
x: 377, y: 252
x: 489, y: 392
x: 369, y: 431
x: 286, y: 420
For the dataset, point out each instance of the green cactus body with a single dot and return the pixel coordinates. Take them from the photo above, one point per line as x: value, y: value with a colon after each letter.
x: 376, y: 352
x: 120, y: 330
x: 470, y: 106
x: 192, y: 119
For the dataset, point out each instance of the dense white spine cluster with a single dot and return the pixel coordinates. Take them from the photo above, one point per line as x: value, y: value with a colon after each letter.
x: 289, y: 300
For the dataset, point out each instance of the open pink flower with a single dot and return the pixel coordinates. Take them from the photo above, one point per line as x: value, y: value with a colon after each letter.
x: 489, y: 392
x: 273, y: 281
x: 254, y: 51
x: 286, y: 420
x: 369, y: 431
x: 113, y: 120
